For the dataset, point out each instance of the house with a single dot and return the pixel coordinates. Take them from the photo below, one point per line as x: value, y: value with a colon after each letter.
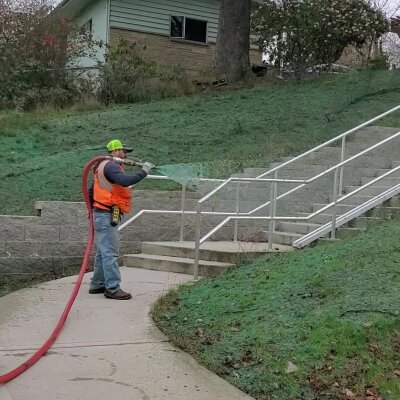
x: 395, y: 25
x: 171, y: 32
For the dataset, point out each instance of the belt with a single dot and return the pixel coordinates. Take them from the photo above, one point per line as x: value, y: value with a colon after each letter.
x: 100, y: 210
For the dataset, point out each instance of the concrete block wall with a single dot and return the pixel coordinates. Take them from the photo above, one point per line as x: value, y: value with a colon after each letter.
x: 56, y: 237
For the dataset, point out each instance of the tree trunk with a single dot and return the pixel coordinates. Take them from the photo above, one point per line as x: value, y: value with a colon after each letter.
x: 233, y: 41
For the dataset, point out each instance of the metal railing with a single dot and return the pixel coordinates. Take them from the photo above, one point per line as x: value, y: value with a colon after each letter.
x: 183, y: 211
x: 353, y: 213
x: 338, y: 188
x: 236, y: 216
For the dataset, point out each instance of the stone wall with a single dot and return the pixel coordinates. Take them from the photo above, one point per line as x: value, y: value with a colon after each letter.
x: 56, y: 238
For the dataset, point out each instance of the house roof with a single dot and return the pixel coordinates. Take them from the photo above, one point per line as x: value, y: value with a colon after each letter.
x: 72, y: 8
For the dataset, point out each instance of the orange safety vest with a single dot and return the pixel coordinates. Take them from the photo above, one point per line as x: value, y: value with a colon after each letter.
x: 107, y: 194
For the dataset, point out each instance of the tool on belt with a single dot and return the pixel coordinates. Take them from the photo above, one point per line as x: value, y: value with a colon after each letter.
x: 115, y: 215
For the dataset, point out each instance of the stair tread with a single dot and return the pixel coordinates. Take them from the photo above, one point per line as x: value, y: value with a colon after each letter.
x: 288, y: 233
x: 222, y: 246
x: 302, y: 223
x: 176, y: 259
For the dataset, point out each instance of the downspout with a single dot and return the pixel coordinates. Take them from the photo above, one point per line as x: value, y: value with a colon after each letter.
x: 108, y: 21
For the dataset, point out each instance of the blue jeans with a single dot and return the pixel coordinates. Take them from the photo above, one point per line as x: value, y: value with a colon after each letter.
x: 106, y: 270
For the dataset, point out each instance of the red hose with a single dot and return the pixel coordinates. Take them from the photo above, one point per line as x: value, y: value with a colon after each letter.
x: 46, y: 346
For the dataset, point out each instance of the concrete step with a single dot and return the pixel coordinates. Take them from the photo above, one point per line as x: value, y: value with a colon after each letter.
x: 319, y: 219
x: 393, y: 202
x: 345, y: 232
x: 368, y: 191
x: 297, y: 227
x: 341, y: 208
x: 382, y: 171
x: 355, y: 147
x: 174, y: 264
x: 282, y: 238
x: 388, y: 182
x: 355, y: 199
x: 363, y: 222
x: 333, y: 153
x: 385, y: 212
x: 359, y: 222
x: 374, y: 131
x: 360, y: 199
x: 306, y: 168
x: 227, y: 252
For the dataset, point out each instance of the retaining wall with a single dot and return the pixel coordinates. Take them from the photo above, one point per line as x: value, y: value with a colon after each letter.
x: 57, y: 236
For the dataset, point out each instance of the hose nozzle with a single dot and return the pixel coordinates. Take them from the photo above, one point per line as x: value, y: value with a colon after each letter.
x: 128, y: 161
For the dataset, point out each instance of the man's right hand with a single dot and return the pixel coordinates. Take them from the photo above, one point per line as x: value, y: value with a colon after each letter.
x: 147, y: 167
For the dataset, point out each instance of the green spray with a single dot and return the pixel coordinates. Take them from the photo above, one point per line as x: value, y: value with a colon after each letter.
x: 183, y: 173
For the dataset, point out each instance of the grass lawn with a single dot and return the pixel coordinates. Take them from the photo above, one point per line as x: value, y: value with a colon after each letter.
x: 42, y: 154
x: 332, y: 311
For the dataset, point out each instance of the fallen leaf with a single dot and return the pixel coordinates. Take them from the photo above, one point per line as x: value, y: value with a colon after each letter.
x: 374, y: 348
x: 291, y: 368
x: 349, y: 394
x: 335, y: 384
x: 397, y: 372
x: 200, y: 333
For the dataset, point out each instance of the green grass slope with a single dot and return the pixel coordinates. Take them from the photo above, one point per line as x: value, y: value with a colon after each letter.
x: 42, y: 155
x: 332, y: 311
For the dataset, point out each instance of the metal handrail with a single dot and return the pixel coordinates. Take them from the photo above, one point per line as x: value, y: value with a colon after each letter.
x: 183, y: 198
x: 335, y: 139
x: 314, y: 178
x: 342, y: 136
x: 307, y: 218
x: 354, y: 213
x: 340, y: 165
x: 337, y: 185
x: 236, y: 216
x: 183, y: 211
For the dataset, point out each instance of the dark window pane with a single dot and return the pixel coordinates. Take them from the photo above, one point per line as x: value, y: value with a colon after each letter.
x: 196, y: 30
x: 177, y: 27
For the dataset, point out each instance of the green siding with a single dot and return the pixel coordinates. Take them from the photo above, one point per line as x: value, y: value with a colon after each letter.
x: 153, y: 16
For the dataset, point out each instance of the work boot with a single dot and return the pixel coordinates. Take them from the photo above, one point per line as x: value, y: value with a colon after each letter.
x: 118, y: 295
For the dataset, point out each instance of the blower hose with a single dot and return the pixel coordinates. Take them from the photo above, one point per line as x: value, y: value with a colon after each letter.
x: 47, y: 345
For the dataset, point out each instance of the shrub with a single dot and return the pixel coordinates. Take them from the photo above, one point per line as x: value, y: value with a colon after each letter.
x: 38, y: 49
x: 127, y: 77
x: 298, y: 34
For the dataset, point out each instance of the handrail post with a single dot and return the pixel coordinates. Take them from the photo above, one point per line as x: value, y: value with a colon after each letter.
x: 183, y: 202
x: 335, y: 197
x: 275, y: 200
x: 197, y: 243
x: 237, y: 209
x: 342, y: 157
x: 271, y: 213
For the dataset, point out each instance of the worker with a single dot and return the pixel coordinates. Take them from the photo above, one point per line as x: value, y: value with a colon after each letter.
x: 110, y: 190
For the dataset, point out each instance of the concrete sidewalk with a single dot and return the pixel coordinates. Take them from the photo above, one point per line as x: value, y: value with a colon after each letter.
x: 108, y: 349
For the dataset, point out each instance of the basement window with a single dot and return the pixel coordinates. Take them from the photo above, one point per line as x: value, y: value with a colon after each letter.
x: 188, y: 29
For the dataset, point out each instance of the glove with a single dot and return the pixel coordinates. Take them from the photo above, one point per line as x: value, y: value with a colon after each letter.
x: 147, y: 166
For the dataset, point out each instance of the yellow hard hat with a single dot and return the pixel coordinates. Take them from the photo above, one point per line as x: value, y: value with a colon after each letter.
x: 117, y: 145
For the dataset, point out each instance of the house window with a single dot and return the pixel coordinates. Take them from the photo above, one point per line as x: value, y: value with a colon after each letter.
x: 189, y: 29
x: 87, y: 27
